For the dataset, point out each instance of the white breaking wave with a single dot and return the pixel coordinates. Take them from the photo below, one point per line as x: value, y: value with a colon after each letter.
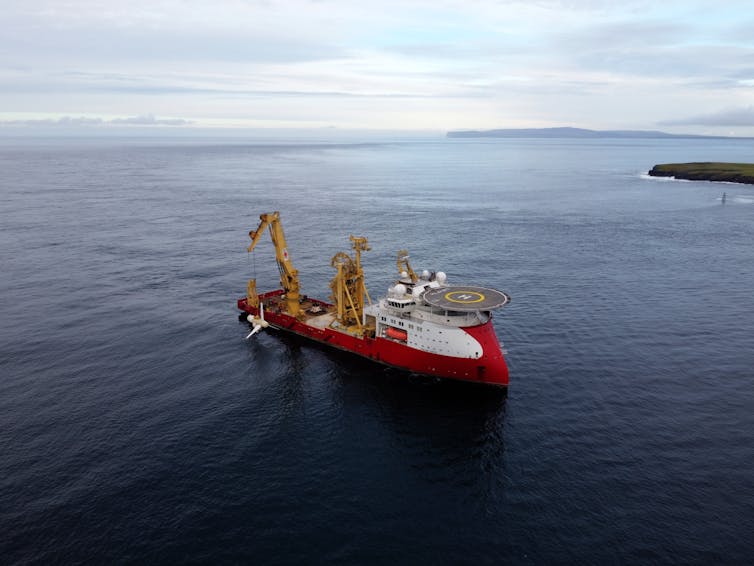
x: 653, y: 178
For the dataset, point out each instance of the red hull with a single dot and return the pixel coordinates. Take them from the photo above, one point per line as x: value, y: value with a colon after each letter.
x: 490, y: 368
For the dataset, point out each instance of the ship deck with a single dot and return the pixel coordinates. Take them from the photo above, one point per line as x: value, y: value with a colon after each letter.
x: 321, y: 321
x: 314, y: 313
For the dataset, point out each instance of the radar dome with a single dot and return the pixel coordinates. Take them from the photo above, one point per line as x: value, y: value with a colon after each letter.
x: 404, y: 274
x: 441, y: 277
x: 425, y: 274
x: 400, y: 289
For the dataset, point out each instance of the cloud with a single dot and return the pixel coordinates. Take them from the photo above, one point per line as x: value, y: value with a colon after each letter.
x: 64, y: 121
x: 86, y: 33
x: 76, y: 121
x: 415, y: 63
x: 150, y: 120
x: 731, y: 117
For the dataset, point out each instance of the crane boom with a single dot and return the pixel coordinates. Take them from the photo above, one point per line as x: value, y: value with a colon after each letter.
x: 404, y: 265
x: 288, y: 274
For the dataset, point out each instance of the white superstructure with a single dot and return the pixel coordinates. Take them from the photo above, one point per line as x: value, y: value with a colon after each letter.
x: 430, y: 315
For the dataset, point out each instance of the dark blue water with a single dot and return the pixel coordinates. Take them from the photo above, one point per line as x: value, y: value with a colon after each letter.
x: 137, y: 426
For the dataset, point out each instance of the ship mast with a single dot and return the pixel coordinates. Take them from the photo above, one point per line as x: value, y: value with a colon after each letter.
x: 288, y: 274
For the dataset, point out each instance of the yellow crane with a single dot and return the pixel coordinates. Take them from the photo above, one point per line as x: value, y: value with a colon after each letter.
x: 288, y: 274
x: 404, y: 265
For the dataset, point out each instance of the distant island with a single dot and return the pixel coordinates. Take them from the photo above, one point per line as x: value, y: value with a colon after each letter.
x: 730, y: 172
x: 574, y: 133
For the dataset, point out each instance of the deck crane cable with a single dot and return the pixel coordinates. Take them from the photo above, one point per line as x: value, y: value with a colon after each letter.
x: 257, y: 323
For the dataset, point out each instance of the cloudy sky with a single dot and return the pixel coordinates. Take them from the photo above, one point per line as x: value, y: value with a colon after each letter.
x: 679, y: 66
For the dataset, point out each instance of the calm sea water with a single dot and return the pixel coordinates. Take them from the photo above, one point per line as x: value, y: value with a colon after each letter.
x: 137, y: 425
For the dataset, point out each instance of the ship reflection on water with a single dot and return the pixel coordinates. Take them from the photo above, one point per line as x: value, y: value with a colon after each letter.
x: 463, y: 420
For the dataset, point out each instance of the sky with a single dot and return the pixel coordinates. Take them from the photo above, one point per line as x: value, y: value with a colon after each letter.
x: 435, y: 65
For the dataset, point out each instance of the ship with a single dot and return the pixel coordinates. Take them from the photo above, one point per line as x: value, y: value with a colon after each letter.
x: 424, y: 325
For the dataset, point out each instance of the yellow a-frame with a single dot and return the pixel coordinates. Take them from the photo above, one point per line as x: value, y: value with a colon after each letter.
x: 348, y: 288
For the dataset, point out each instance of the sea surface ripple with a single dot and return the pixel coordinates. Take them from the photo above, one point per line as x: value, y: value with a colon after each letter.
x: 137, y: 426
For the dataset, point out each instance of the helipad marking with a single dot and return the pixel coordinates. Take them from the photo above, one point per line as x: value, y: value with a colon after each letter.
x: 464, y: 297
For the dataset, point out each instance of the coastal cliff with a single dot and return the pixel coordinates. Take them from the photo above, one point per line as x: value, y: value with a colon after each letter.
x: 708, y: 171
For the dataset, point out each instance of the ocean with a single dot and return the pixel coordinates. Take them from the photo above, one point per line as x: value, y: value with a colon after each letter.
x: 138, y: 426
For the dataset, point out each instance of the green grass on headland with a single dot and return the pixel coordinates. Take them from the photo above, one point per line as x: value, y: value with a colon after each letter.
x: 731, y: 172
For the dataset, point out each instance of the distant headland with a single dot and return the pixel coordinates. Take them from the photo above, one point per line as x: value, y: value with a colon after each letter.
x: 574, y: 133
x: 707, y: 171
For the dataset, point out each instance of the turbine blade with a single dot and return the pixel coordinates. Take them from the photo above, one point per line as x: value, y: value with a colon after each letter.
x: 257, y: 328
